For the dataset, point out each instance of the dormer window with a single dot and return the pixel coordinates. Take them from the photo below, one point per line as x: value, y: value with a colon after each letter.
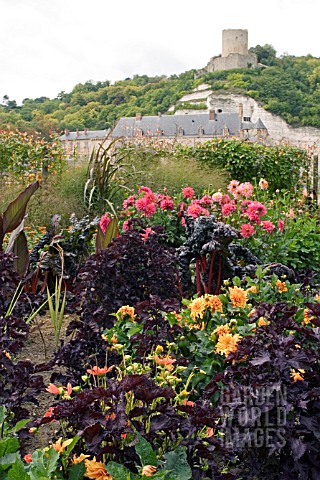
x: 180, y: 131
x: 247, y: 119
x: 200, y: 131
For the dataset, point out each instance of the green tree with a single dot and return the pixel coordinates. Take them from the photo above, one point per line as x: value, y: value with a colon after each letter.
x: 266, y: 54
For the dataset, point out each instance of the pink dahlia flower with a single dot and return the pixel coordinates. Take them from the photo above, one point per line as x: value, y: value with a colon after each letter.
x: 268, y: 226
x: 247, y: 230
x: 104, y: 222
x: 188, y: 192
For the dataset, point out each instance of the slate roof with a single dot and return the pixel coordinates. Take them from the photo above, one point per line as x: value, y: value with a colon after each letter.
x: 89, y: 135
x: 259, y: 124
x: 170, y: 125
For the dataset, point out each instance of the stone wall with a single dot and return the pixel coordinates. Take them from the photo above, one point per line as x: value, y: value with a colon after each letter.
x: 279, y: 131
x: 234, y: 60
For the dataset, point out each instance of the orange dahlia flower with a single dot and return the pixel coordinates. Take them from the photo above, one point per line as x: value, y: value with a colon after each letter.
x: 125, y: 310
x: 214, y: 303
x: 198, y: 306
x: 221, y: 330
x: 238, y: 297
x: 227, y: 343
x: 148, y: 470
x: 164, y: 361
x: 96, y: 470
x: 282, y: 287
x: 79, y: 459
x: 60, y: 446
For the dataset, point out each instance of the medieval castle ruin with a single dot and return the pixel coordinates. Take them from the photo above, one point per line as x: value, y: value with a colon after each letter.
x: 235, y: 52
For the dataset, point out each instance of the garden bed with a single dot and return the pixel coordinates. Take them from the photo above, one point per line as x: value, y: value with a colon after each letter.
x: 180, y: 341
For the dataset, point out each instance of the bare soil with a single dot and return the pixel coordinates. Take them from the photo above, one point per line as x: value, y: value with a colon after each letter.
x: 40, y: 349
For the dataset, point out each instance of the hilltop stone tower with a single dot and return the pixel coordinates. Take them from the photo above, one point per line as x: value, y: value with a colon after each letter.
x: 235, y: 52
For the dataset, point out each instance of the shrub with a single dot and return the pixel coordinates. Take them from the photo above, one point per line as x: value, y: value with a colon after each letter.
x: 28, y: 156
x: 249, y: 161
x: 133, y: 268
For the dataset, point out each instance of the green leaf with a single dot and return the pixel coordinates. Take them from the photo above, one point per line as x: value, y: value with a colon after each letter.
x: 17, y: 471
x: 177, y: 465
x: 236, y: 281
x: 8, y: 445
x: 19, y: 425
x: 7, y: 460
x: 77, y: 471
x: 160, y: 474
x: 120, y: 472
x: 134, y: 329
x: 71, y: 446
x: 43, y: 463
x: 16, y: 210
x: 3, y: 415
x: 145, y: 452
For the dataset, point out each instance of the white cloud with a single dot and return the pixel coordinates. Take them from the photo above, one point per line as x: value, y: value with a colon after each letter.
x: 48, y: 46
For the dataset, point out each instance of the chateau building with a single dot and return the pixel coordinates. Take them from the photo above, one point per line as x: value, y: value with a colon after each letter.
x: 80, y: 144
x: 188, y: 126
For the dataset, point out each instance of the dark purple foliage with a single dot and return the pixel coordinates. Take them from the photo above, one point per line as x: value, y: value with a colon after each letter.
x: 103, y: 416
x: 270, y: 421
x: 156, y: 329
x: 18, y: 382
x: 129, y: 271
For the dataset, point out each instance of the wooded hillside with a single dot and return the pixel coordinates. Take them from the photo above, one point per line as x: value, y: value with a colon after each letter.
x: 287, y: 86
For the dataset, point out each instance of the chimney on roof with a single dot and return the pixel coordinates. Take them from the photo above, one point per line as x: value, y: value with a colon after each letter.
x: 138, y: 116
x: 66, y: 132
x: 77, y: 132
x: 159, y: 114
x: 241, y: 111
x: 212, y: 114
x: 85, y: 131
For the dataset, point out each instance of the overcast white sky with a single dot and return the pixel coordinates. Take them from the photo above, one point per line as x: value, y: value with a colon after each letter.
x: 51, y: 45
